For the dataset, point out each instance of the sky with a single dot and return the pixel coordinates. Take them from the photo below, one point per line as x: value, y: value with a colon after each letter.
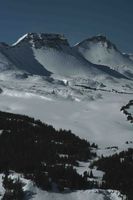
x: 77, y: 19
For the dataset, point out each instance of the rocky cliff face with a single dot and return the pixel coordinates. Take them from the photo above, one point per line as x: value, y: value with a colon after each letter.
x: 39, y: 40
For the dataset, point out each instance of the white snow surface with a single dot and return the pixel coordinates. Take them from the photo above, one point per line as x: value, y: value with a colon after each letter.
x: 91, y: 114
x: 87, y: 195
x: 2, y: 190
x: 20, y: 39
x: 35, y: 193
x: 45, y: 54
x: 103, y: 52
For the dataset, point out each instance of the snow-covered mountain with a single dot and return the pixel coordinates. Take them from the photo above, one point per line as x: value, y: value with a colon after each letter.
x: 99, y: 50
x: 46, y: 54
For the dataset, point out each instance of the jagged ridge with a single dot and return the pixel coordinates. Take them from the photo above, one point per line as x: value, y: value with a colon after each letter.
x: 43, y: 39
x: 46, y: 54
x: 101, y: 51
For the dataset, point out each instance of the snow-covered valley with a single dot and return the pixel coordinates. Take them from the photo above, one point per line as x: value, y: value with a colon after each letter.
x: 97, y: 119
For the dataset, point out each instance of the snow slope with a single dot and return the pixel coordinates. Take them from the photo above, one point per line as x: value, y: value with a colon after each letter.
x: 88, y: 194
x: 24, y: 60
x: 36, y: 52
x: 5, y: 63
x: 101, y: 51
x: 34, y: 193
x: 91, y: 114
x: 51, y: 54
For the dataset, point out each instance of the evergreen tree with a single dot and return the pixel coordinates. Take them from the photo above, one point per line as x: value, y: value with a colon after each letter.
x: 91, y: 174
x: 13, y: 188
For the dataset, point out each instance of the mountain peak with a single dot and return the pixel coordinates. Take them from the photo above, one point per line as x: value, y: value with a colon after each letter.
x: 100, y: 39
x: 100, y: 50
x: 42, y: 39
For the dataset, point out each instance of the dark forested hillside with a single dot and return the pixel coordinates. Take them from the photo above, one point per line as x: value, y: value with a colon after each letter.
x: 47, y: 157
x: 42, y: 153
x: 118, y: 172
x: 126, y: 111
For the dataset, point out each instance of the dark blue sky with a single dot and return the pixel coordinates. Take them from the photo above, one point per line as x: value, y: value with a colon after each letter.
x: 77, y: 19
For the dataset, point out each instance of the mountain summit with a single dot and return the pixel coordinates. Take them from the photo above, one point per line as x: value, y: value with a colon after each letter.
x: 42, y: 39
x: 101, y: 51
x: 50, y: 54
x: 101, y: 39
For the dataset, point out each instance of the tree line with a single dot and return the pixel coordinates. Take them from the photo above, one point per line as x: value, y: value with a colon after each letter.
x: 34, y: 148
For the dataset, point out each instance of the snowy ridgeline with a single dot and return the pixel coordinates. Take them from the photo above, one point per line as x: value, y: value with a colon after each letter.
x: 51, y: 54
x: 99, y: 50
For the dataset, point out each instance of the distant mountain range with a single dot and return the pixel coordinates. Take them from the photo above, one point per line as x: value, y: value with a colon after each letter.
x: 50, y: 54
